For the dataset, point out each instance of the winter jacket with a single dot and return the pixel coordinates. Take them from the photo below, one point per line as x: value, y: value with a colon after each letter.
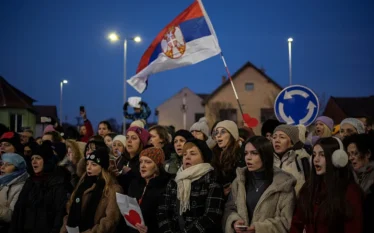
x: 274, y: 209
x: 90, y: 132
x: 9, y: 196
x: 354, y: 224
x: 369, y: 211
x: 365, y: 177
x: 124, y: 180
x: 292, y: 162
x: 206, y: 207
x: 173, y: 164
x: 107, y: 213
x: 150, y: 200
x: 41, y: 205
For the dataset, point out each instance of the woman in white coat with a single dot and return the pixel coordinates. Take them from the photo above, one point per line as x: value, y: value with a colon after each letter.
x: 12, y: 178
x: 262, y: 197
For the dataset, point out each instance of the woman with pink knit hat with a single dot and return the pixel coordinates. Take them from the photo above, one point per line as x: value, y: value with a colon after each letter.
x: 136, y: 140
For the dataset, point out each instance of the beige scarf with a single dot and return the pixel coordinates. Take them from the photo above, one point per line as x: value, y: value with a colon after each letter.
x: 184, y: 179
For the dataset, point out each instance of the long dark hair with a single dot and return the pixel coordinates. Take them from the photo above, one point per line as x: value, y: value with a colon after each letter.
x: 328, y: 191
x: 265, y: 149
x: 225, y: 161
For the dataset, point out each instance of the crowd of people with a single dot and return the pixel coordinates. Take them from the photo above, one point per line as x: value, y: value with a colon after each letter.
x: 222, y: 178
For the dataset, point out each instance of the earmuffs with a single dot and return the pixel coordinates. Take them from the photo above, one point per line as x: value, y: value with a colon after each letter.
x: 339, y: 157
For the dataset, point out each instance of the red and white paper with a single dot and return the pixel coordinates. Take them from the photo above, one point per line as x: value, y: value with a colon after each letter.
x: 130, y: 210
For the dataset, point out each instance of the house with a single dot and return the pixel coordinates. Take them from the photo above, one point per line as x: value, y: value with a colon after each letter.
x: 181, y: 110
x: 16, y: 108
x: 43, y: 117
x: 256, y: 91
x: 339, y: 108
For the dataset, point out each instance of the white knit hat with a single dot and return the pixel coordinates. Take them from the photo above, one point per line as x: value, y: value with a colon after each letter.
x: 229, y: 126
x: 201, y: 125
x: 357, y: 124
x: 139, y: 123
x: 121, y: 139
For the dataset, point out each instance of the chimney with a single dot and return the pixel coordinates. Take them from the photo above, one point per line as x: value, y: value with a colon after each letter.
x: 223, y: 79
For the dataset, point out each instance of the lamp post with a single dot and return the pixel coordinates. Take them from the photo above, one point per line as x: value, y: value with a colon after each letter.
x: 113, y: 37
x: 290, y: 40
x: 61, y: 87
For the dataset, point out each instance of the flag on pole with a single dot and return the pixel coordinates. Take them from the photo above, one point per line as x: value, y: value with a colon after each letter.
x: 187, y: 40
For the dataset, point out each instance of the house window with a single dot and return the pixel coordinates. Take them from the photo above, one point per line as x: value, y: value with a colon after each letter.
x: 15, y: 122
x: 228, y: 114
x: 198, y: 116
x: 249, y: 86
x: 266, y: 114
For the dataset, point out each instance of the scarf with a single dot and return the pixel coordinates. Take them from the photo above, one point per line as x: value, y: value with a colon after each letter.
x: 84, y: 219
x: 6, y: 179
x: 184, y: 179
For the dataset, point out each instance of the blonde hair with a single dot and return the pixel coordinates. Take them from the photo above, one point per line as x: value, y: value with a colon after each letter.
x: 326, y: 131
x: 77, y: 155
x: 109, y: 181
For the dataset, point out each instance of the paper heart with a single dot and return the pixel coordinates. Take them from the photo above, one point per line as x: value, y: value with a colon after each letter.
x: 133, y: 217
x: 249, y: 121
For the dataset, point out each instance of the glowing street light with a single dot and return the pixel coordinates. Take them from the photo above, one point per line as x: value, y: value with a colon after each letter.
x: 61, y: 87
x: 290, y: 40
x: 113, y: 37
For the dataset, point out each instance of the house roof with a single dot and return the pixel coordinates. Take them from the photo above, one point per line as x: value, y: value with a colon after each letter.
x: 203, y: 96
x: 11, y: 97
x: 45, y: 111
x: 356, y: 106
x: 236, y: 74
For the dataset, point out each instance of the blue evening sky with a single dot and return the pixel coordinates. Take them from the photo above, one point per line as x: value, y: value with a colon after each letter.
x: 45, y: 41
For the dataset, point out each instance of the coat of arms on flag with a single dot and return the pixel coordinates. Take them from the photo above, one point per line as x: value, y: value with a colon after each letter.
x: 187, y: 40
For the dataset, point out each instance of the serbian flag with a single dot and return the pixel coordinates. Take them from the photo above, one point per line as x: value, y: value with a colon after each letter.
x: 188, y: 39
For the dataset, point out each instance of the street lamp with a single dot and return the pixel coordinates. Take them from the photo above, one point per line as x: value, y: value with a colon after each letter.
x: 61, y: 86
x: 113, y: 37
x: 290, y: 40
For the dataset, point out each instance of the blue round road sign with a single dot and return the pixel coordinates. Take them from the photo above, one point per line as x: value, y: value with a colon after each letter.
x: 296, y: 105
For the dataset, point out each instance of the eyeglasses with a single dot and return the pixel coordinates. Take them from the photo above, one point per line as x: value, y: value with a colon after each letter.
x: 218, y: 132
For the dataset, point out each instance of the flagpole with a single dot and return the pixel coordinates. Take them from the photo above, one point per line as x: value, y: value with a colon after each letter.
x: 232, y: 83
x: 210, y: 25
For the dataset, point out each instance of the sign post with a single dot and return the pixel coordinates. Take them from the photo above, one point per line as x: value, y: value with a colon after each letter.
x: 296, y: 105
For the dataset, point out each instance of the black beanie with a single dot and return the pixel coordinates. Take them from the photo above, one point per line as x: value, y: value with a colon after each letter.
x: 100, y: 156
x: 14, y: 139
x: 203, y: 147
x: 98, y: 144
x: 183, y: 133
x: 45, y: 150
x: 60, y: 150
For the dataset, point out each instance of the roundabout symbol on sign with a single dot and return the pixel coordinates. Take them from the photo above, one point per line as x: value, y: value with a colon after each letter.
x: 296, y: 105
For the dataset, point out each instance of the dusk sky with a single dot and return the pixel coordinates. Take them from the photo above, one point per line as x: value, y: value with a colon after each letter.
x: 44, y: 42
